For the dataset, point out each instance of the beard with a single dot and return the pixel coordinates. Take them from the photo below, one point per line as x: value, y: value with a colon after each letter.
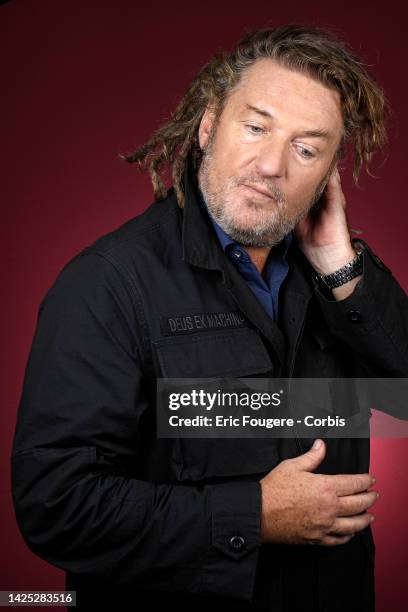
x: 244, y: 219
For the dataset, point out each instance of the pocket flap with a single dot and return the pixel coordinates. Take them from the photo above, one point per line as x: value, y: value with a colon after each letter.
x: 235, y: 353
x: 201, y: 459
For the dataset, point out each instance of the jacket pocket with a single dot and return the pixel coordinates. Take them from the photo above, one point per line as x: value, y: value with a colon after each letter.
x: 224, y: 459
x: 235, y: 353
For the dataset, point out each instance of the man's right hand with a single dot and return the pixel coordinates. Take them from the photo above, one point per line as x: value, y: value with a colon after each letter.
x: 299, y: 507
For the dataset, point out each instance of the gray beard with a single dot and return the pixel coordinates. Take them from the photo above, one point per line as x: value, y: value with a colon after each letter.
x: 263, y: 236
x: 267, y: 234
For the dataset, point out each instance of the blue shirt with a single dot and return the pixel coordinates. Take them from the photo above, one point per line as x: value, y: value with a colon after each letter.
x: 266, y: 289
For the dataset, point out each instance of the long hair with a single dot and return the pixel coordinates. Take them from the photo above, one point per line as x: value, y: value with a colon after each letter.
x: 310, y: 50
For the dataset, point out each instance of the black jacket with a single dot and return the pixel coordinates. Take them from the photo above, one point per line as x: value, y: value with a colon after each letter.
x: 134, y: 518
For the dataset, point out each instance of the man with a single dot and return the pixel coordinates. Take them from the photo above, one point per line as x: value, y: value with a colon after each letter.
x: 254, y: 238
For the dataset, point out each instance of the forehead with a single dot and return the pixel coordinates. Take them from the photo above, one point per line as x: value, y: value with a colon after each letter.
x: 288, y: 95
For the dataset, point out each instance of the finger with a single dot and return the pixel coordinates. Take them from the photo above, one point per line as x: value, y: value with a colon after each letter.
x: 354, y: 504
x: 335, y: 540
x: 346, y: 526
x: 335, y: 188
x: 347, y: 484
x: 334, y: 175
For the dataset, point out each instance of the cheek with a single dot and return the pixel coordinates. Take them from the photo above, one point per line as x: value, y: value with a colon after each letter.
x: 231, y: 155
x: 303, y: 191
x: 227, y: 160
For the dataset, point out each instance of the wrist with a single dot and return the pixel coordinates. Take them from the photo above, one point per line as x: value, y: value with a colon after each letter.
x: 342, y: 292
x: 327, y: 260
x: 265, y: 501
x: 343, y: 280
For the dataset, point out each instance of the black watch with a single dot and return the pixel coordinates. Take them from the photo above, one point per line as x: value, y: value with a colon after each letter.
x: 343, y: 275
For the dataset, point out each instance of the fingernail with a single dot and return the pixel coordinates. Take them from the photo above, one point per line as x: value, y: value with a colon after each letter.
x: 317, y: 444
x: 373, y: 480
x: 372, y: 518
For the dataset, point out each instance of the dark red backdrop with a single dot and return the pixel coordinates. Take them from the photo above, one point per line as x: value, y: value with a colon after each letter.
x: 85, y: 80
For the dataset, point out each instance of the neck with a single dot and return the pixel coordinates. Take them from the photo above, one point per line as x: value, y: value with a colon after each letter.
x: 258, y: 255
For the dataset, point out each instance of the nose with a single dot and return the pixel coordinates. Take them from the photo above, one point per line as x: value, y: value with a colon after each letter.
x: 271, y: 158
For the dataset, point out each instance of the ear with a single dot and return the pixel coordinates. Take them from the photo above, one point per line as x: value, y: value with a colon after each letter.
x: 207, y: 121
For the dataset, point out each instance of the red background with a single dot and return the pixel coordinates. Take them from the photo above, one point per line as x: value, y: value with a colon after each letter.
x: 83, y: 81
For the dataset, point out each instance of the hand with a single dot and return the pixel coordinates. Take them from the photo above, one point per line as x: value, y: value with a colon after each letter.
x: 323, y: 234
x: 299, y: 507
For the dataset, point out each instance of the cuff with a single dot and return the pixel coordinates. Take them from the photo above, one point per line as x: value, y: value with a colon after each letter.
x: 235, y: 539
x: 359, y: 310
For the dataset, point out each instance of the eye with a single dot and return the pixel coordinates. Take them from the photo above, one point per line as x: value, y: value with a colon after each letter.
x: 306, y: 153
x: 254, y: 129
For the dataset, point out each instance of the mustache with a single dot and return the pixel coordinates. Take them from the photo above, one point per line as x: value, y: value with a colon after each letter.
x: 271, y: 189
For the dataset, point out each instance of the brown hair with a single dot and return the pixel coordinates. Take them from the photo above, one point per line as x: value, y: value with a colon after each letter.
x: 311, y: 50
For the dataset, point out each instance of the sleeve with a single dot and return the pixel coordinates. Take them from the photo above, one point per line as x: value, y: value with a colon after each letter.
x: 373, y: 319
x: 373, y: 322
x: 77, y: 430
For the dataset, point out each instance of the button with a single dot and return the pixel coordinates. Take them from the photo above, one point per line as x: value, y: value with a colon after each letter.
x: 354, y: 316
x: 237, y: 542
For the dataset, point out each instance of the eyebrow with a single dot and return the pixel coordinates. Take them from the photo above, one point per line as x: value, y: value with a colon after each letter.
x: 311, y: 133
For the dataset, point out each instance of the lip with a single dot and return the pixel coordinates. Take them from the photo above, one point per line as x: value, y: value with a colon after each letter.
x: 259, y: 191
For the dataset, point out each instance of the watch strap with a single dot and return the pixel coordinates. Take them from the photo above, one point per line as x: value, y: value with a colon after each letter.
x: 344, y: 274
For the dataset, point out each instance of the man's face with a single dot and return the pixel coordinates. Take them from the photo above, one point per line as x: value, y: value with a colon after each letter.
x: 268, y: 158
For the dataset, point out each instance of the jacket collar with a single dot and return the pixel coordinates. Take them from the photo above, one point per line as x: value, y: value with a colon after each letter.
x: 200, y: 244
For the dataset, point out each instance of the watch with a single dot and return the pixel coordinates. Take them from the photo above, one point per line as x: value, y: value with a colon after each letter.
x: 345, y: 274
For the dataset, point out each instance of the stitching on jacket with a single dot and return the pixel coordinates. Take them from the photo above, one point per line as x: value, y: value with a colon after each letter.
x: 388, y: 332
x: 142, y: 232
x: 190, y: 338
x: 124, y: 272
x: 265, y: 364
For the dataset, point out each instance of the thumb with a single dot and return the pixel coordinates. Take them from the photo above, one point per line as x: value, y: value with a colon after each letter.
x: 310, y: 460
